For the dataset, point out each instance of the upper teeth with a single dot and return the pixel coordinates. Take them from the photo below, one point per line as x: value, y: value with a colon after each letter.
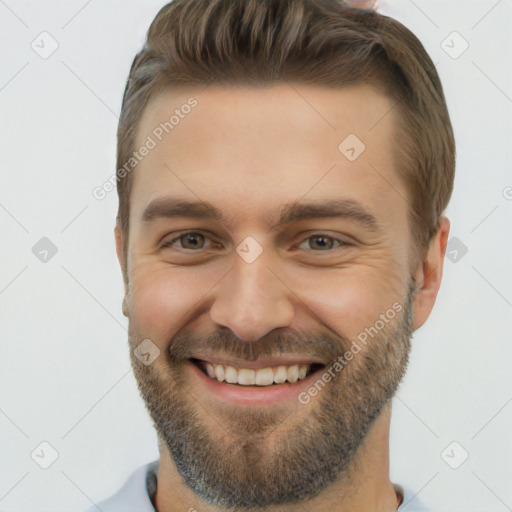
x: 260, y: 377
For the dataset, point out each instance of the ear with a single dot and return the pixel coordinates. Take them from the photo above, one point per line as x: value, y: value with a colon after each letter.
x: 122, y: 262
x: 429, y: 273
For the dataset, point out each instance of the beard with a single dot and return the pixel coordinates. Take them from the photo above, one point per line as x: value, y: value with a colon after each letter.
x: 246, y: 457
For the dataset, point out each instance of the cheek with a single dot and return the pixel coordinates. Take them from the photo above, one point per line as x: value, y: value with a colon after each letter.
x: 352, y: 300
x: 162, y: 299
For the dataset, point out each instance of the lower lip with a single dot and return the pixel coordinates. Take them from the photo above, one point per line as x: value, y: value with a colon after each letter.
x: 252, y: 395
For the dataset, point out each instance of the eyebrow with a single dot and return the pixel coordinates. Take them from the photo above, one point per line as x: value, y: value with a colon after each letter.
x: 168, y: 207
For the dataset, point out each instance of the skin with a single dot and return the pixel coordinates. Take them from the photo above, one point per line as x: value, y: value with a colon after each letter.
x: 249, y: 151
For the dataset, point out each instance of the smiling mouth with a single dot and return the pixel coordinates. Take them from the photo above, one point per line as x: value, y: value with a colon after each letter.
x: 267, y: 376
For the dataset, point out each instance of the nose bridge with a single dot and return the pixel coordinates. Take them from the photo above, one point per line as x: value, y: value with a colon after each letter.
x: 251, y: 300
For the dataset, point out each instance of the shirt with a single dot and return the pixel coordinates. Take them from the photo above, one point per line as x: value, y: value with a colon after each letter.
x: 138, y: 494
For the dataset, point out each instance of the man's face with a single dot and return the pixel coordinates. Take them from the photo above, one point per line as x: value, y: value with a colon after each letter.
x: 243, y: 289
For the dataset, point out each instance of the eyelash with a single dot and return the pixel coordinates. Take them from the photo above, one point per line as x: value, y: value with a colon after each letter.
x: 340, y: 242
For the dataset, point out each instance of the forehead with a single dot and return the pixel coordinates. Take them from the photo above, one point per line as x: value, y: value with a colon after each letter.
x: 254, y: 148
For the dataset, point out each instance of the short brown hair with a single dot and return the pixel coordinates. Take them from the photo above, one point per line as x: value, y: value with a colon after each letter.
x: 317, y: 42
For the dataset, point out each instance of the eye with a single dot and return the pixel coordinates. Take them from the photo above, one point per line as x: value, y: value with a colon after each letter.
x: 190, y: 240
x: 195, y: 241
x: 323, y: 242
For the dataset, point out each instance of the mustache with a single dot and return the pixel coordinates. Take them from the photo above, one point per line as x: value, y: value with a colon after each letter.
x: 317, y: 346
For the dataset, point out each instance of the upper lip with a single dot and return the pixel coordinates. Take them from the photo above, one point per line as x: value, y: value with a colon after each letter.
x: 284, y: 360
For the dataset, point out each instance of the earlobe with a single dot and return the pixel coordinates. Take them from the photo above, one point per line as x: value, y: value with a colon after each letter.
x: 429, y: 274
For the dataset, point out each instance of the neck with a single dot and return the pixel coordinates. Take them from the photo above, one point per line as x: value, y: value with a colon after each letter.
x: 365, y: 488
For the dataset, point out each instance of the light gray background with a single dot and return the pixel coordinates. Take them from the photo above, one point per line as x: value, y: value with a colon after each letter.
x: 65, y: 372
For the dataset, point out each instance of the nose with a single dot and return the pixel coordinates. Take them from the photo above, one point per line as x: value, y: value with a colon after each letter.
x: 252, y: 300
